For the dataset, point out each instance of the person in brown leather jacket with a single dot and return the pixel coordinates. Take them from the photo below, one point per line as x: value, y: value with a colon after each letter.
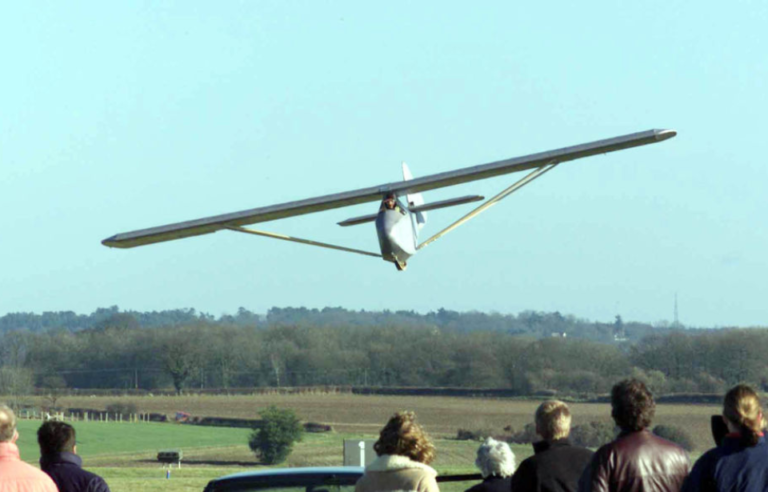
x: 637, y: 461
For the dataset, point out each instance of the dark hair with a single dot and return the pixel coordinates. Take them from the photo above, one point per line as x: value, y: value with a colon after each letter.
x: 403, y: 436
x: 56, y: 437
x: 742, y: 407
x: 632, y: 405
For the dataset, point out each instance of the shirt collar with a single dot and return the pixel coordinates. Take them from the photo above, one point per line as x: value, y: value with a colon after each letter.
x: 737, y: 435
x: 541, y: 446
x: 9, y: 450
x: 61, y: 458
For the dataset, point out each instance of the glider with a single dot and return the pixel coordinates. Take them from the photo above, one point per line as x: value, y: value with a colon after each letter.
x: 402, y: 211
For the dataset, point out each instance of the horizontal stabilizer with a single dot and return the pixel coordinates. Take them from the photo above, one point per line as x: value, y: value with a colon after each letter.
x: 358, y: 220
x: 419, y: 208
x: 446, y: 203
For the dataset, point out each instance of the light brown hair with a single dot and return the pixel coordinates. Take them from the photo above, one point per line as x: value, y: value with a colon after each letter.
x: 403, y: 436
x: 7, y: 423
x: 742, y: 407
x: 553, y: 420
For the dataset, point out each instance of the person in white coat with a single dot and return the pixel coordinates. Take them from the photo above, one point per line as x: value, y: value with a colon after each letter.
x: 404, y: 452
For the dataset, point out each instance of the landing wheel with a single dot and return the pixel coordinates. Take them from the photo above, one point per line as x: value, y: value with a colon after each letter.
x: 400, y: 265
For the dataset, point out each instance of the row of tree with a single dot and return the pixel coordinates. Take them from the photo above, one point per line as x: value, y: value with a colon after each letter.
x: 533, y: 323
x: 217, y: 355
x: 113, y: 317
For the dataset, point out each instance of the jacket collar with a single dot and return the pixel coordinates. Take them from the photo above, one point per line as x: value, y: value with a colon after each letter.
x: 9, y: 451
x: 737, y: 435
x: 491, y: 478
x: 541, y: 446
x: 625, y: 433
x: 393, y: 462
x: 61, y: 459
x: 733, y: 441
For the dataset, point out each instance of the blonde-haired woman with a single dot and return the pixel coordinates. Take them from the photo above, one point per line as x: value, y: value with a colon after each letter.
x: 740, y: 462
x: 404, y: 452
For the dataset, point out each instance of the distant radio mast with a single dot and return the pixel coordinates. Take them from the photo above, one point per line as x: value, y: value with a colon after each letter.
x: 677, y: 320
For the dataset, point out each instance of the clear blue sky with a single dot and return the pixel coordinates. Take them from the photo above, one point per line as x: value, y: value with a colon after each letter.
x: 116, y: 116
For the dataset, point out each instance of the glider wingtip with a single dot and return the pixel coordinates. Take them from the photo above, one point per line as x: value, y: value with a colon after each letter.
x: 665, y: 134
x: 112, y: 242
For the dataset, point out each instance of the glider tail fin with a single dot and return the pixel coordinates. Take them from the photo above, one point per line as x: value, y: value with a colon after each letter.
x: 414, y: 200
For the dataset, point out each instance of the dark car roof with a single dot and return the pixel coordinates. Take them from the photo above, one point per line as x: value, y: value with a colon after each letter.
x: 285, y: 477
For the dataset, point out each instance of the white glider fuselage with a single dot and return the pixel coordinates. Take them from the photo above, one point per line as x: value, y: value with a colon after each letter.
x: 398, y: 234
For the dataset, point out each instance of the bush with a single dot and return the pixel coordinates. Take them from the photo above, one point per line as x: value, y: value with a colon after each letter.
x: 580, y: 381
x: 676, y: 435
x: 525, y: 436
x: 122, y: 408
x: 593, y: 434
x: 317, y: 427
x: 273, y: 440
x: 473, y: 434
x: 707, y: 383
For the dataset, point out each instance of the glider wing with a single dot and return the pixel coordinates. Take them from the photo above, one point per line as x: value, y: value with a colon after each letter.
x: 215, y: 223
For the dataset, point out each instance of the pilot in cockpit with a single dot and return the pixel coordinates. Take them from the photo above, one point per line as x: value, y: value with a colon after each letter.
x: 390, y: 203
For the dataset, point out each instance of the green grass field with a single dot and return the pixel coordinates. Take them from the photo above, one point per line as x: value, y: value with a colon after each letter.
x: 101, y: 439
x: 124, y: 453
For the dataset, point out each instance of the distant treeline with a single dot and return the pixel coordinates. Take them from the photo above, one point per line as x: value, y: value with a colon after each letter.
x: 112, y: 316
x: 533, y: 323
x: 299, y: 347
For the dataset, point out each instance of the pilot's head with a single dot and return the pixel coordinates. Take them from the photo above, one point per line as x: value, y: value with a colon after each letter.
x: 389, y: 202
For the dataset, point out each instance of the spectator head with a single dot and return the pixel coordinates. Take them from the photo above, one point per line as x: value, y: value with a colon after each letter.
x: 56, y: 437
x: 553, y: 420
x: 7, y: 425
x: 632, y: 405
x: 403, y: 436
x: 741, y: 408
x: 495, y: 458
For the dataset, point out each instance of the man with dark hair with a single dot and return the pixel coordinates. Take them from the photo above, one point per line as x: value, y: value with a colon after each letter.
x: 58, y: 459
x: 637, y: 461
x: 15, y: 475
x: 556, y: 464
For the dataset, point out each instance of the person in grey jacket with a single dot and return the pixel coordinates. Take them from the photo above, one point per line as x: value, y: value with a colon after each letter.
x: 404, y: 452
x: 59, y: 459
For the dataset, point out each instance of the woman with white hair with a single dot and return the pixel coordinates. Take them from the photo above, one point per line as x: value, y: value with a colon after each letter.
x: 496, y: 462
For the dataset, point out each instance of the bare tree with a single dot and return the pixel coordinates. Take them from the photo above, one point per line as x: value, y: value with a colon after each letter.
x: 15, y: 382
x: 181, y: 356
